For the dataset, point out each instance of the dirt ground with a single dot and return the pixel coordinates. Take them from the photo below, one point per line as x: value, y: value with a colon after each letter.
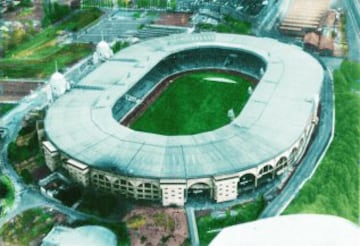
x: 157, y: 226
x: 19, y: 14
x: 176, y: 19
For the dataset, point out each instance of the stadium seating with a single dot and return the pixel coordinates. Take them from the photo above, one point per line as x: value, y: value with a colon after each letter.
x: 190, y: 60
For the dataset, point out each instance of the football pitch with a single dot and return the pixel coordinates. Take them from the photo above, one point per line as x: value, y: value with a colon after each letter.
x: 195, y: 102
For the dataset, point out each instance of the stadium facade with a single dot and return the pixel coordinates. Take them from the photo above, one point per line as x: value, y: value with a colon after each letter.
x: 87, y: 134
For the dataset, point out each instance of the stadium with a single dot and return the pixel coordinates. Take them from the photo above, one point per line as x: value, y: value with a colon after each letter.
x: 88, y: 135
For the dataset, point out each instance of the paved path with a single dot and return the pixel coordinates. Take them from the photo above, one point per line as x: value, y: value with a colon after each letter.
x: 194, y: 235
x: 313, y: 156
x: 26, y: 197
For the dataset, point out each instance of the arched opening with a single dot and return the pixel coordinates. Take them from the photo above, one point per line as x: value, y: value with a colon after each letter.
x: 148, y: 191
x: 293, y: 156
x: 266, y: 174
x: 199, y: 191
x: 130, y: 189
x: 120, y: 186
x: 100, y: 181
x: 246, y: 182
x: 280, y: 165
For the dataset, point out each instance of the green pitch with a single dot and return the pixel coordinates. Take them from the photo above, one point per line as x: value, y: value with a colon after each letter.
x: 194, y: 103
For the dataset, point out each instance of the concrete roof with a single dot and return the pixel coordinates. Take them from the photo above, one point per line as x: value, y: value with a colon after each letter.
x: 294, y: 230
x: 80, y: 123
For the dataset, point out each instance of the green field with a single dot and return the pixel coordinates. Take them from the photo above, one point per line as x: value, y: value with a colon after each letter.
x: 334, y: 189
x: 97, y: 3
x: 193, y: 103
x: 229, y: 25
x: 208, y: 226
x: 143, y: 4
x: 35, y: 58
x: 6, y: 107
x: 29, y: 227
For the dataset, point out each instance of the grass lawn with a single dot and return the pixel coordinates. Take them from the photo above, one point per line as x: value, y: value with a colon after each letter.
x: 243, y: 213
x: 149, y: 3
x: 97, y: 3
x: 230, y: 25
x: 36, y: 57
x: 44, y: 66
x: 30, y: 226
x: 6, y: 107
x: 193, y: 103
x: 334, y: 189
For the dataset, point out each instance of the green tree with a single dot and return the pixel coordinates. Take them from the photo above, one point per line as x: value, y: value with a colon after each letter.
x: 54, y: 12
x: 26, y: 175
x: 4, y: 190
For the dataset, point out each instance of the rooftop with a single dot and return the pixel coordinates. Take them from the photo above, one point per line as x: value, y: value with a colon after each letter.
x: 81, y: 124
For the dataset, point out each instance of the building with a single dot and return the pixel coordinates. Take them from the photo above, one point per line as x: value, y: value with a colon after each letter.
x: 304, y: 16
x: 311, y: 41
x: 268, y: 137
x: 52, y: 156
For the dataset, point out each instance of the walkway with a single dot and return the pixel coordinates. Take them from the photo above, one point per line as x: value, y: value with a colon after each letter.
x: 193, y: 231
x: 26, y: 197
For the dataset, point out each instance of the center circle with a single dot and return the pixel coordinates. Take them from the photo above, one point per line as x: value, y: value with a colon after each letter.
x: 193, y: 102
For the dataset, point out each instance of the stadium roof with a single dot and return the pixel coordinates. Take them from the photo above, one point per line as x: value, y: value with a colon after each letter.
x: 294, y: 230
x: 81, y: 124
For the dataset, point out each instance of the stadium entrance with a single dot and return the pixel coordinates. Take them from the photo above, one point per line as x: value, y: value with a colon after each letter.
x: 246, y: 183
x: 199, y: 192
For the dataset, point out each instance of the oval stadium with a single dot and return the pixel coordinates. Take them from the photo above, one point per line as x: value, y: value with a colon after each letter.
x: 88, y: 135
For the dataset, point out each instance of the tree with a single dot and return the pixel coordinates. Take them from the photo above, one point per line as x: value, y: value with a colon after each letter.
x: 54, y: 12
x: 4, y: 190
x: 17, y: 36
x: 26, y: 175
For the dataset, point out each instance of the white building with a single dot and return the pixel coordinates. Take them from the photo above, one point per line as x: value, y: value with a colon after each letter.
x: 270, y: 135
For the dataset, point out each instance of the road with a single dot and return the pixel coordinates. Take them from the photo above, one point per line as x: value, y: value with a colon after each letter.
x: 352, y: 8
x: 12, y: 123
x: 312, y: 158
x: 26, y: 197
